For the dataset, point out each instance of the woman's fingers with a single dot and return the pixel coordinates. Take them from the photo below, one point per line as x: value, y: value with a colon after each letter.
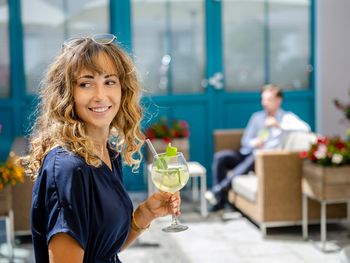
x: 175, y: 202
x: 168, y: 201
x: 162, y: 196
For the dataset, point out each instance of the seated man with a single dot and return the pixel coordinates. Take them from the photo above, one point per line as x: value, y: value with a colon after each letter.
x: 265, y: 130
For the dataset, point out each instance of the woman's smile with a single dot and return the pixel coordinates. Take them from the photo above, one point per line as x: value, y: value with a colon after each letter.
x: 100, y: 110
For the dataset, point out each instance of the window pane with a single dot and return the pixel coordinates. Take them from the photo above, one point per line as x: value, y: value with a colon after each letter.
x: 47, y: 24
x: 168, y: 43
x: 290, y: 44
x: 243, y: 37
x: 4, y: 51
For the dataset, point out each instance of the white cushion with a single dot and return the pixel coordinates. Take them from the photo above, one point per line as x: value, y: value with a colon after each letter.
x: 246, y: 186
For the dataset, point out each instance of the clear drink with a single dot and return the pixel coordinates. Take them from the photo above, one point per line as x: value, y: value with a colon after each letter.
x: 170, y: 174
x: 171, y: 179
x: 264, y: 134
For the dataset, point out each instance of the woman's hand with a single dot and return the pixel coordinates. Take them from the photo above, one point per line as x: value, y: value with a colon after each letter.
x: 157, y: 205
x: 162, y: 204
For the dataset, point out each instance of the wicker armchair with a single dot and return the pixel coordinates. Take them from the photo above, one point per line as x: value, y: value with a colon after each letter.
x: 276, y: 186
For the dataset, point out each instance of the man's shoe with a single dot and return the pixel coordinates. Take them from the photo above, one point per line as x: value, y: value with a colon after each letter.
x: 211, y: 198
x: 215, y: 208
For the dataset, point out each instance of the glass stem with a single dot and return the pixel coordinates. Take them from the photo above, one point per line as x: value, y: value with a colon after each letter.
x: 174, y: 220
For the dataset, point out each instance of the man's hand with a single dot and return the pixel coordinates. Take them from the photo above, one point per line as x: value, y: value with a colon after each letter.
x: 258, y: 143
x: 271, y: 121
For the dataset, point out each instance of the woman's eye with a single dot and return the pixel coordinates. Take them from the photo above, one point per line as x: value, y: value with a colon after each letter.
x: 110, y: 82
x: 84, y: 85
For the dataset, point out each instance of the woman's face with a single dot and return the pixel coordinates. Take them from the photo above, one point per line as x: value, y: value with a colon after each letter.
x: 97, y: 96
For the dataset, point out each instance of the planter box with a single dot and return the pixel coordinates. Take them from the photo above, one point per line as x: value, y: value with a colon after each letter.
x: 5, y: 200
x: 21, y: 204
x: 326, y: 183
x: 182, y: 145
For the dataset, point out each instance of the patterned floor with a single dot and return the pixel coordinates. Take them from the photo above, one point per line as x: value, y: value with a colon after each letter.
x: 222, y: 237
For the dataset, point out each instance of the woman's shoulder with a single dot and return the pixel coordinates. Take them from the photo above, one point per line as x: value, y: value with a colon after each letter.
x: 60, y: 159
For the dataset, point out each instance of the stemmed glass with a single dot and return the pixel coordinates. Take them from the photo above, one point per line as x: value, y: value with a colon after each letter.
x: 170, y: 174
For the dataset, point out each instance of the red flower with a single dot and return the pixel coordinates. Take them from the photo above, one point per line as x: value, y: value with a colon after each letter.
x: 340, y: 145
x: 166, y: 140
x: 303, y: 154
x: 322, y: 140
x: 176, y: 134
x: 161, y: 130
x: 313, y: 158
x: 150, y: 134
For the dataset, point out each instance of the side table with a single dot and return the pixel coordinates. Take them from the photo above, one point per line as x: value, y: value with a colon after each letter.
x: 324, y: 204
x: 327, y: 185
x: 196, y: 170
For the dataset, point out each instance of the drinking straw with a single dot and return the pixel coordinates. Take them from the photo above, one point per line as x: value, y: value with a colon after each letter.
x: 150, y: 145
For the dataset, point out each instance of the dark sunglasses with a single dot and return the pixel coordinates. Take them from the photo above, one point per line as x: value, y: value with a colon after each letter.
x: 103, y: 39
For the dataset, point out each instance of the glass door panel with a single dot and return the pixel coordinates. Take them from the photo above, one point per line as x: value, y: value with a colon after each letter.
x: 47, y: 24
x: 243, y: 44
x: 289, y: 38
x: 4, y: 51
x: 168, y: 44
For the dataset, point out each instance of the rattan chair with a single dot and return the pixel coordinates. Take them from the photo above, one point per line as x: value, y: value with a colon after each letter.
x: 276, y: 185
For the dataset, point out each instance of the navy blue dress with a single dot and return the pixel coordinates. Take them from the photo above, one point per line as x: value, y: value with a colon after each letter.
x: 90, y: 204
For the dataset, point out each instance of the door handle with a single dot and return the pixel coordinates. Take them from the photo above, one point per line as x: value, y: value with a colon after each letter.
x: 216, y: 80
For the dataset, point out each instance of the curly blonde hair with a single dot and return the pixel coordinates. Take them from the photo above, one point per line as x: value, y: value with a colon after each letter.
x: 58, y: 125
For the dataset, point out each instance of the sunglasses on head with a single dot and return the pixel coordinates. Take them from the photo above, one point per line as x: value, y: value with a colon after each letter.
x: 103, y: 39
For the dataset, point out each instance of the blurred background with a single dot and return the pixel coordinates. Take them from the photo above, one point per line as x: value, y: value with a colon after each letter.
x: 201, y: 61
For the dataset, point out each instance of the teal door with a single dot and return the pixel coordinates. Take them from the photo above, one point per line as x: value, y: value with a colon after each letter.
x: 205, y: 62
x: 169, y: 43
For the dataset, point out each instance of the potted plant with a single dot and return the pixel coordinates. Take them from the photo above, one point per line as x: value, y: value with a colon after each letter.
x: 326, y: 171
x: 163, y: 132
x: 11, y: 173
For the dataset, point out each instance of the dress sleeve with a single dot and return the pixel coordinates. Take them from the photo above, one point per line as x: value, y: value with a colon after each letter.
x: 67, y: 199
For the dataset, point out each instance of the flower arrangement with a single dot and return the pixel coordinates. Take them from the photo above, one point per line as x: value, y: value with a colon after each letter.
x: 328, y: 151
x: 161, y: 130
x: 11, y: 172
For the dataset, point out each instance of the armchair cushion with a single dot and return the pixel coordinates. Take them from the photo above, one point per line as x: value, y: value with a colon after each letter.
x: 246, y: 186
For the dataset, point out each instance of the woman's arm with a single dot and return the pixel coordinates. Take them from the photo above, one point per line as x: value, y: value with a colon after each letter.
x: 143, y: 217
x: 158, y: 205
x: 65, y: 249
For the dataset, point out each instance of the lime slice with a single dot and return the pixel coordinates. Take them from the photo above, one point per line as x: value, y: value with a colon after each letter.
x: 171, y: 179
x: 170, y: 151
x: 161, y: 163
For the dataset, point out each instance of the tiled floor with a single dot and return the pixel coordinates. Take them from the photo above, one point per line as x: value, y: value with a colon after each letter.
x: 217, y: 240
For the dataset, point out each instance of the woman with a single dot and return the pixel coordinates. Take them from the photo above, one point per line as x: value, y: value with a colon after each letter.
x: 88, y: 119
